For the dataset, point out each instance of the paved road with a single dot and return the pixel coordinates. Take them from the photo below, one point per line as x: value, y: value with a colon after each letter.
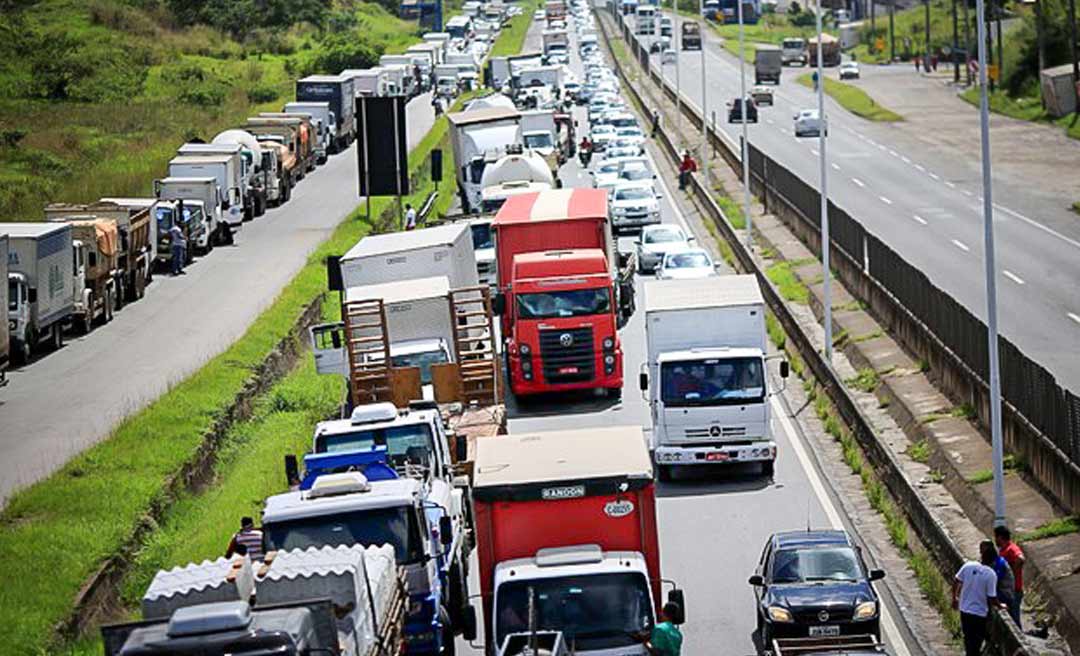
x: 713, y: 523
x: 66, y: 401
x: 925, y: 204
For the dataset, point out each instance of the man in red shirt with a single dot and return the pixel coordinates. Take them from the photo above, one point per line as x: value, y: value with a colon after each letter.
x: 686, y: 167
x: 1012, y: 554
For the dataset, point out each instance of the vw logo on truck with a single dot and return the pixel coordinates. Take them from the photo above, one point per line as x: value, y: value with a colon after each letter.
x: 566, y: 340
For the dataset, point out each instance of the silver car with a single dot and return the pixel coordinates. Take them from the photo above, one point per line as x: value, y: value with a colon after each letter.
x: 658, y: 240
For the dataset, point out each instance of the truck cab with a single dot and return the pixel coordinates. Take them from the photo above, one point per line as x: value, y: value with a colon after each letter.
x: 225, y: 171
x: 484, y: 247
x: 189, y: 214
x: 201, y: 198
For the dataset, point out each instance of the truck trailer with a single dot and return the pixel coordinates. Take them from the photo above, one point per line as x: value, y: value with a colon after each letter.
x: 224, y: 171
x: 768, y: 64
x: 566, y: 528
x: 5, y: 335
x: 479, y: 137
x: 444, y: 250
x: 706, y: 379
x: 338, y: 91
x: 244, y: 162
x: 41, y: 285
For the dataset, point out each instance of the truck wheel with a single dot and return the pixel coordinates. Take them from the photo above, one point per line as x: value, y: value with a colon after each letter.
x: 249, y: 213
x: 57, y: 336
x: 107, y: 313
x: 87, y: 323
x: 26, y: 348
x: 663, y: 472
x: 448, y: 646
x: 614, y: 393
x: 768, y: 468
x: 140, y: 284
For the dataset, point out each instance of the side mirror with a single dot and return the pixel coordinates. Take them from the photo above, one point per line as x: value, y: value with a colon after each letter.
x: 785, y: 369
x: 31, y: 295
x: 498, y: 304
x: 757, y: 581
x: 691, y: 240
x: 446, y: 530
x: 877, y: 574
x: 468, y: 623
x: 292, y: 470
x: 643, y: 381
x: 157, y: 188
x: 461, y: 448
x: 676, y: 597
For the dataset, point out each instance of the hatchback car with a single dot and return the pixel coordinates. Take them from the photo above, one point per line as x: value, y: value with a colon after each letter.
x: 686, y: 264
x: 849, y: 70
x: 658, y: 240
x: 762, y: 95
x: 634, y: 205
x: 815, y: 583
x: 808, y: 124
x: 669, y: 56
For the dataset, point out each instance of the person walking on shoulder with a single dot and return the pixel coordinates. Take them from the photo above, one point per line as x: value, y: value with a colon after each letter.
x: 974, y: 593
x: 247, y: 540
x: 178, y: 249
x: 410, y: 217
x: 1013, y: 555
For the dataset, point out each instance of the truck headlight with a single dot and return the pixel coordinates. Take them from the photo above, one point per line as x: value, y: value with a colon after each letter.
x: 524, y: 349
x: 526, y: 365
x: 866, y: 610
x: 609, y: 360
x: 778, y: 614
x: 608, y: 343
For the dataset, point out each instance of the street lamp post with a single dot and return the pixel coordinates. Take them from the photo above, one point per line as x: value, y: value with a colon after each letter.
x: 704, y: 88
x: 990, y: 272
x: 822, y: 141
x: 743, y: 109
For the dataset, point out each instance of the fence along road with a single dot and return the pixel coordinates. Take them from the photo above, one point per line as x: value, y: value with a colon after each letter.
x: 64, y: 402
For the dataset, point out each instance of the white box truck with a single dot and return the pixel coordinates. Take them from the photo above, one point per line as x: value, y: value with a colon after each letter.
x: 5, y: 336
x: 705, y: 375
x: 445, y: 250
x: 41, y: 285
x: 241, y: 163
x: 478, y: 138
x: 201, y: 209
x: 224, y: 170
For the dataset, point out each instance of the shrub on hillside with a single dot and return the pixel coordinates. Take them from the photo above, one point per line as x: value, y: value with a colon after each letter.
x: 336, y: 53
x: 195, y: 84
x: 262, y: 93
x: 122, y: 17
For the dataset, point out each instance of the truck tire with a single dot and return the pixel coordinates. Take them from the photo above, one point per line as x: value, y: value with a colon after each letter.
x: 140, y: 284
x: 107, y: 311
x: 249, y: 212
x: 448, y: 646
x: 663, y: 473
x: 768, y: 468
x: 614, y: 393
x: 87, y: 322
x: 57, y: 336
x: 26, y: 348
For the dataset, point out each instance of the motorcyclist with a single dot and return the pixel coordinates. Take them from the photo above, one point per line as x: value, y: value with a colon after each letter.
x: 585, y: 151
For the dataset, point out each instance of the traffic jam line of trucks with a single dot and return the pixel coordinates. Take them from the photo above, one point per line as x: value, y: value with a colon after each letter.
x: 368, y: 545
x: 86, y: 261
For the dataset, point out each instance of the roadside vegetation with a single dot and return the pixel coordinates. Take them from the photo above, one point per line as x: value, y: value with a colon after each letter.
x: 512, y: 37
x: 96, y: 95
x: 853, y: 99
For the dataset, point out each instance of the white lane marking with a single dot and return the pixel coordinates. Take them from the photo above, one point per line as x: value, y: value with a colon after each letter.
x: 871, y: 142
x: 784, y: 130
x: 921, y: 168
x: 881, y: 147
x: 815, y: 152
x: 919, y: 219
x: 893, y: 153
x: 889, y: 626
x: 935, y: 176
x: 1012, y: 276
x: 770, y: 121
x: 1035, y: 224
x: 836, y: 167
x: 961, y: 245
x: 950, y: 185
x: 905, y: 160
x: 858, y: 182
x: 885, y: 200
x: 968, y: 193
x: 1072, y: 315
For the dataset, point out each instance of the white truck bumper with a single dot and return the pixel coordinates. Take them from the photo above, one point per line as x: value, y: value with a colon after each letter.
x: 234, y: 216
x: 708, y: 455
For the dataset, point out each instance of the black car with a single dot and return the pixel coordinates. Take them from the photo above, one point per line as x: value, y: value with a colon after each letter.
x: 735, y: 111
x: 815, y: 583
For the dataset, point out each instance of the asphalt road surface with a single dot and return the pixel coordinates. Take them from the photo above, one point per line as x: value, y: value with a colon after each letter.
x: 926, y: 205
x: 66, y: 401
x: 714, y: 521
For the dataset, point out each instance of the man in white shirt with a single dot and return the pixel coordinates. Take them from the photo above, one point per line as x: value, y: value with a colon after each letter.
x: 410, y: 217
x: 974, y: 594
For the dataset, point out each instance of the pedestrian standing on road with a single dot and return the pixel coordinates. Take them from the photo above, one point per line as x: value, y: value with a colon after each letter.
x: 410, y: 217
x: 814, y: 77
x: 918, y: 63
x: 974, y: 592
x: 655, y: 121
x: 933, y: 63
x: 1013, y: 555
x: 178, y: 249
x: 1006, y: 582
x: 248, y: 538
x: 665, y: 638
x: 687, y: 167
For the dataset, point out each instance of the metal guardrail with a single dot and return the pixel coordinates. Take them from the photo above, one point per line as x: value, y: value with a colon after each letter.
x: 1006, y: 636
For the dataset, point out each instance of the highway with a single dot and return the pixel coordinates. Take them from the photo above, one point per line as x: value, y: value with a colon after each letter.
x: 66, y: 401
x: 714, y: 521
x: 925, y: 203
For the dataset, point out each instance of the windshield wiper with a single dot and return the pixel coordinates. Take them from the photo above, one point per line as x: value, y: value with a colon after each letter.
x: 830, y: 578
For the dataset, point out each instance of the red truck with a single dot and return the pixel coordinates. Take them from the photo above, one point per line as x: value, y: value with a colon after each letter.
x: 557, y: 293
x: 568, y: 544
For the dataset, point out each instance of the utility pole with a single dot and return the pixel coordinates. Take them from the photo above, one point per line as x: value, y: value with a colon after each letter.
x: 745, y: 133
x: 873, y: 26
x: 990, y: 271
x: 926, y: 59
x: 967, y: 42
x: 955, y: 46
x: 892, y: 33
x: 825, y: 241
x: 704, y: 86
x: 1075, y: 58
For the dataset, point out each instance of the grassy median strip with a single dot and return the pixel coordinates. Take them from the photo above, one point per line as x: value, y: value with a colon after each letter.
x: 512, y: 38
x: 854, y: 99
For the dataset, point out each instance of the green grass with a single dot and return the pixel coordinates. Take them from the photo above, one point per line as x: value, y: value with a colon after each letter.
x: 1076, y: 207
x: 733, y: 210
x: 981, y: 476
x: 909, y: 24
x: 866, y: 380
x: 1051, y: 529
x: 1024, y: 108
x: 964, y: 411
x: 854, y: 99
x: 512, y: 37
x: 791, y: 288
x: 919, y: 451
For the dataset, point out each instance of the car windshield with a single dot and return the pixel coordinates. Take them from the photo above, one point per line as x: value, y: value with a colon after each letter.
x: 395, y: 526
x: 481, y: 236
x: 793, y: 43
x: 636, y: 173
x: 405, y: 445
x: 538, y: 140
x: 164, y: 219
x: 568, y: 303
x: 598, y: 611
x: 623, y: 121
x: 663, y: 236
x: 13, y: 295
x: 629, y: 132
x: 633, y: 193
x: 815, y: 564
x: 728, y: 381
x: 687, y: 261
x: 423, y: 360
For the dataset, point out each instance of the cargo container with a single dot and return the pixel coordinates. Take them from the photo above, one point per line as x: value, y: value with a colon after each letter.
x: 445, y: 250
x: 338, y: 91
x: 41, y: 285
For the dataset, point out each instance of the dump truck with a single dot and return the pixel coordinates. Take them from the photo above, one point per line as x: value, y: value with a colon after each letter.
x: 309, y: 139
x: 567, y: 539
x: 334, y: 601
x: 96, y: 246
x: 41, y: 285
x: 321, y: 113
x: 294, y: 153
x: 830, y: 50
x: 338, y: 91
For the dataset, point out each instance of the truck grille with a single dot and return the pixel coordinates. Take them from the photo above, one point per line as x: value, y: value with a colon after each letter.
x: 835, y: 615
x: 706, y: 432
x: 567, y: 364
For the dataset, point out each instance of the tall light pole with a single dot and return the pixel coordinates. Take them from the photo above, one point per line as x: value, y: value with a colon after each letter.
x: 822, y: 129
x: 704, y: 91
x: 991, y: 274
x: 743, y: 109
x: 678, y: 66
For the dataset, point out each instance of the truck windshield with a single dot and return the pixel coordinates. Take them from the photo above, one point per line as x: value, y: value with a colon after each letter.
x: 405, y: 445
x: 597, y: 611
x: 540, y: 140
x: 396, y: 526
x: 164, y: 220
x: 481, y: 236
x: 423, y: 360
x: 568, y: 303
x: 13, y: 295
x: 728, y: 381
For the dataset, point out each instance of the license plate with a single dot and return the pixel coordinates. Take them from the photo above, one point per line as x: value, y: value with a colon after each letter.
x: 716, y: 457
x: 568, y: 370
x: 816, y: 631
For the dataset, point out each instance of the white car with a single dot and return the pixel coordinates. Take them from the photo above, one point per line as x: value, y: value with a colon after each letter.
x: 689, y: 263
x: 600, y: 135
x: 539, y: 15
x: 656, y: 241
x: 618, y: 147
x: 620, y: 119
x: 634, y: 205
x: 606, y: 173
x: 635, y: 169
x: 808, y: 124
x: 849, y: 70
x: 631, y: 133
x: 669, y: 56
